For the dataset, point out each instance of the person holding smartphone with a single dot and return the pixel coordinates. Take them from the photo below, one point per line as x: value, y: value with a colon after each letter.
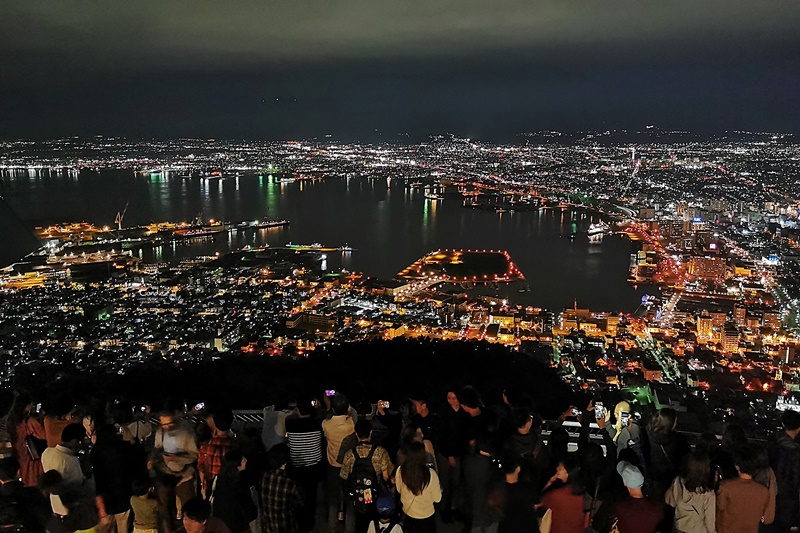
x: 172, y: 461
x: 625, y: 431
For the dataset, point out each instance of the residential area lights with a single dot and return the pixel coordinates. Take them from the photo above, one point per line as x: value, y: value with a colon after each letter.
x: 715, y: 225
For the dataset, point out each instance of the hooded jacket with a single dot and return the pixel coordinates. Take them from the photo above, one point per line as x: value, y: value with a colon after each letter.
x: 695, y: 511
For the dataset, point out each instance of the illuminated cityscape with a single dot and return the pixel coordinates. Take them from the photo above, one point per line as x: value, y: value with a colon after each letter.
x: 714, y: 233
x: 400, y: 267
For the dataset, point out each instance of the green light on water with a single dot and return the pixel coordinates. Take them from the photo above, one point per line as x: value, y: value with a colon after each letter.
x: 272, y: 196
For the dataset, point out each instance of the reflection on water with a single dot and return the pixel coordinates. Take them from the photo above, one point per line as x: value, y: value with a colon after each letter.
x: 388, y: 225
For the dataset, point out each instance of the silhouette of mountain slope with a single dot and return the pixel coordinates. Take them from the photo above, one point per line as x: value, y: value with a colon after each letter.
x: 17, y: 239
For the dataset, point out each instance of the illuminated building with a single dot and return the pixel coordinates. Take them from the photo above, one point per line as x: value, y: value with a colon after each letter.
x: 708, y: 267
x: 730, y: 338
x: 647, y: 213
x: 740, y: 315
x: 651, y: 372
x: 704, y: 327
x: 311, y: 320
x: 718, y: 318
x: 505, y: 320
x: 772, y: 319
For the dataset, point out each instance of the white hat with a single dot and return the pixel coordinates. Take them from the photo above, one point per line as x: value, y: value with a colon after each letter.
x: 631, y: 476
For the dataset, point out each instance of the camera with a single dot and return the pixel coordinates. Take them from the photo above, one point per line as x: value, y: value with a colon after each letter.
x: 200, y: 406
x: 330, y: 392
x: 576, y: 411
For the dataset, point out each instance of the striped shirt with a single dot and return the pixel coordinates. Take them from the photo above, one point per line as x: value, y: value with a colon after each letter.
x: 304, y: 437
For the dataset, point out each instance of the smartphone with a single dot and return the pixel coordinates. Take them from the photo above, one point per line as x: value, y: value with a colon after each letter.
x: 383, y: 404
x: 314, y: 403
x: 200, y: 406
x: 624, y: 418
x: 38, y: 408
x: 576, y: 411
x: 144, y: 408
x: 598, y: 410
x: 330, y: 392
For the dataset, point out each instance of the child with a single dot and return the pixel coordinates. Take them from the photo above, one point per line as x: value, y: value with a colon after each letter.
x: 387, y: 522
x: 147, y: 513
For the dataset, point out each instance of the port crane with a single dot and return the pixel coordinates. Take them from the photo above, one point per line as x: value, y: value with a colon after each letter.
x: 120, y: 216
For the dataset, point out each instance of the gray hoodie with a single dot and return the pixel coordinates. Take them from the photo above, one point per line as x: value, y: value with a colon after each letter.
x: 695, y: 511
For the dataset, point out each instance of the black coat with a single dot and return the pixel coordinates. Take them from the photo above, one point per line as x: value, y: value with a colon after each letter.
x: 233, y: 503
x: 115, y: 465
x: 666, y: 452
x: 784, y: 458
x: 451, y: 438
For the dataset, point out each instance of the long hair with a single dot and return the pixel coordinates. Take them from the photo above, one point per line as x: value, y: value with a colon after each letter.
x: 408, y: 435
x: 622, y: 407
x: 574, y: 478
x: 416, y: 474
x: 696, y: 473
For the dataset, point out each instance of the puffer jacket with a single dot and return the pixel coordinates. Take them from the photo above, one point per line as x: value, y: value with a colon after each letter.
x: 695, y: 511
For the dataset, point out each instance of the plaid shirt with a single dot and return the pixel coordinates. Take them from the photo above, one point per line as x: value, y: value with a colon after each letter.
x: 209, y: 458
x: 281, y: 503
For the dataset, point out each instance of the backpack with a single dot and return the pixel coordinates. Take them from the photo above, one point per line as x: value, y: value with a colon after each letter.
x: 363, y: 482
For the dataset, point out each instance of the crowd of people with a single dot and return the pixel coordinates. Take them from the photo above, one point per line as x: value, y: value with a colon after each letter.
x: 447, y: 458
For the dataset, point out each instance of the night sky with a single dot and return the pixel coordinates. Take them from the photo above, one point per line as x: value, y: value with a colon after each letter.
x: 395, y: 70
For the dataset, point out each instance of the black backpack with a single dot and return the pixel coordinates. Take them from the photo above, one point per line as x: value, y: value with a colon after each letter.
x: 363, y: 482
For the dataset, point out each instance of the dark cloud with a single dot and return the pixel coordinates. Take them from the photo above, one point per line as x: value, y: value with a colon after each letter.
x: 485, y: 69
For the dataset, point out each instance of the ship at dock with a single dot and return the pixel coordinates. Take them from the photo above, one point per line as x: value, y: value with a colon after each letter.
x: 317, y: 247
x: 273, y: 223
x: 598, y: 230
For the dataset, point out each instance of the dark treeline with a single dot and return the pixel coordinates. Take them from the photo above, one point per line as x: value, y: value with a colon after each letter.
x: 365, y: 371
